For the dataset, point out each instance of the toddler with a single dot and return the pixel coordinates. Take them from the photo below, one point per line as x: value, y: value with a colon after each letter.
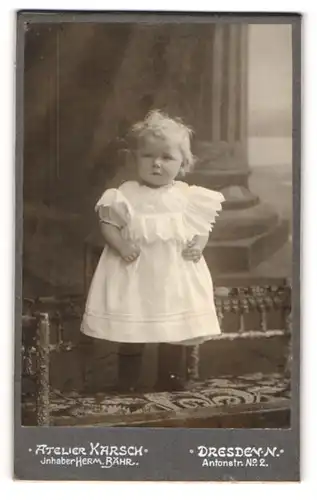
x: 152, y: 283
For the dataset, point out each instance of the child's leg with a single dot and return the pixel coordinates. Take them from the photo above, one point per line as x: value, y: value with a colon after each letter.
x: 98, y: 363
x: 129, y: 366
x: 171, y: 373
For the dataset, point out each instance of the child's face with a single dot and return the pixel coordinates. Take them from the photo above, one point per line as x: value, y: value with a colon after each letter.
x: 158, y: 160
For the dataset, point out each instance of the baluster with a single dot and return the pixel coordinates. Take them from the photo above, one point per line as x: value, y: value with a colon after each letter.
x: 259, y: 293
x: 27, y: 358
x: 241, y: 322
x: 219, y: 310
x: 60, y: 330
x: 244, y: 307
x: 227, y: 305
x: 42, y: 338
x: 235, y: 308
x: 193, y: 360
x: 263, y: 316
x: 278, y: 298
x: 288, y: 327
x: 222, y: 302
x: 28, y: 339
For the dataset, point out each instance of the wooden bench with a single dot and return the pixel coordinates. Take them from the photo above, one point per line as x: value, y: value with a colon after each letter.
x: 43, y: 315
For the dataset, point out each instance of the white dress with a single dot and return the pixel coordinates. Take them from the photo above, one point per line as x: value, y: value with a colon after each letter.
x: 160, y: 297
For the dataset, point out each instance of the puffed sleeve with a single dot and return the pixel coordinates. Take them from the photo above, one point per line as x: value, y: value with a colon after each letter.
x: 202, y: 209
x: 113, y: 208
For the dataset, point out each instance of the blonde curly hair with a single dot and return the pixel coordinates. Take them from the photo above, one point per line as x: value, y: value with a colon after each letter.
x: 159, y: 124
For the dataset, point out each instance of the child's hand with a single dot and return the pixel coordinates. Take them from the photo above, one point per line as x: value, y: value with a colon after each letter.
x: 129, y: 251
x: 193, y: 250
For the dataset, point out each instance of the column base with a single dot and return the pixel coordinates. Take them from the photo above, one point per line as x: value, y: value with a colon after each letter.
x: 224, y: 257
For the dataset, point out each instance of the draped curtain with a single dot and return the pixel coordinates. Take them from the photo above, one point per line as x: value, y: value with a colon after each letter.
x: 85, y: 84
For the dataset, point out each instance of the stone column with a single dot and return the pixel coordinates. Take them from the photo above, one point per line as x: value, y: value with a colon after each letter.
x: 247, y: 231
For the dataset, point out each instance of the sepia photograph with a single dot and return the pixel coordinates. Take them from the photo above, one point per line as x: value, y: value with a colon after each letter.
x: 157, y: 249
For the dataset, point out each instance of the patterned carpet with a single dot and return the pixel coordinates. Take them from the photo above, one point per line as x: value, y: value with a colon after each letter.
x: 222, y: 391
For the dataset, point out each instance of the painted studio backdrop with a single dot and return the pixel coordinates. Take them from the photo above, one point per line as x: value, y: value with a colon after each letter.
x: 85, y: 84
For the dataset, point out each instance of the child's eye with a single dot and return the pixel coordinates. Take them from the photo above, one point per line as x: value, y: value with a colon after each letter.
x: 168, y: 157
x: 146, y: 155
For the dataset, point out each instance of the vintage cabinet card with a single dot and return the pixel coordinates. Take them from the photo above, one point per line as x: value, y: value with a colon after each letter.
x: 157, y: 255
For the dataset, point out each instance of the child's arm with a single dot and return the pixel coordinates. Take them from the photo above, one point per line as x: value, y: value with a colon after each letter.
x: 194, y: 248
x: 112, y: 234
x: 200, y: 241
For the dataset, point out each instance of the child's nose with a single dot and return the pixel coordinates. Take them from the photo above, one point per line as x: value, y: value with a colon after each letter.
x: 157, y: 164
